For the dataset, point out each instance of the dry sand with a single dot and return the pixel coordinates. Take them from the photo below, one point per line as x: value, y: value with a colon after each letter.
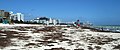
x: 36, y: 37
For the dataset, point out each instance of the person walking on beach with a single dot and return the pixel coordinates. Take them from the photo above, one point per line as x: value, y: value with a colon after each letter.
x: 77, y: 23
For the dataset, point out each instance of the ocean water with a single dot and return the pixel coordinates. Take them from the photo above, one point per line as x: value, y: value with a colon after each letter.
x: 115, y: 28
x: 109, y: 26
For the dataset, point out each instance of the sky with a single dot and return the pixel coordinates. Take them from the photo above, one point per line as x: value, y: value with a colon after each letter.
x: 98, y: 12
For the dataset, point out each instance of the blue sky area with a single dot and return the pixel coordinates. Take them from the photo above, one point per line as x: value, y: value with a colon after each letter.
x: 99, y: 12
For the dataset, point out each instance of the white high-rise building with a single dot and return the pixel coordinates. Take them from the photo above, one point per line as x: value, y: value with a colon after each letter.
x: 47, y: 21
x: 20, y: 16
x: 54, y: 22
x: 17, y: 16
x: 50, y: 20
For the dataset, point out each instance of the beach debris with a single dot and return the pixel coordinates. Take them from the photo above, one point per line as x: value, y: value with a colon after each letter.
x: 45, y: 42
x: 4, y: 42
x: 24, y: 37
x: 117, y: 47
x: 46, y: 29
x: 31, y: 44
x: 78, y: 49
x: 56, y: 49
x: 99, y: 40
x: 55, y: 36
x: 52, y: 36
x: 97, y: 47
x: 90, y: 48
x: 21, y: 28
x: 6, y: 36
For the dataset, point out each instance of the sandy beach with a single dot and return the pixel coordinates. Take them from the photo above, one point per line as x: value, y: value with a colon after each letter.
x: 39, y: 37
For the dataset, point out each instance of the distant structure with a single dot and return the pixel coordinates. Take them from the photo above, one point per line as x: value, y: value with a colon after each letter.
x: 9, y: 17
x: 46, y: 21
x: 4, y: 17
x: 17, y: 16
x: 87, y: 24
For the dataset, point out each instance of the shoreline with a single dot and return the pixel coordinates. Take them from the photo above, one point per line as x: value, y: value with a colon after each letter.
x: 101, y: 29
